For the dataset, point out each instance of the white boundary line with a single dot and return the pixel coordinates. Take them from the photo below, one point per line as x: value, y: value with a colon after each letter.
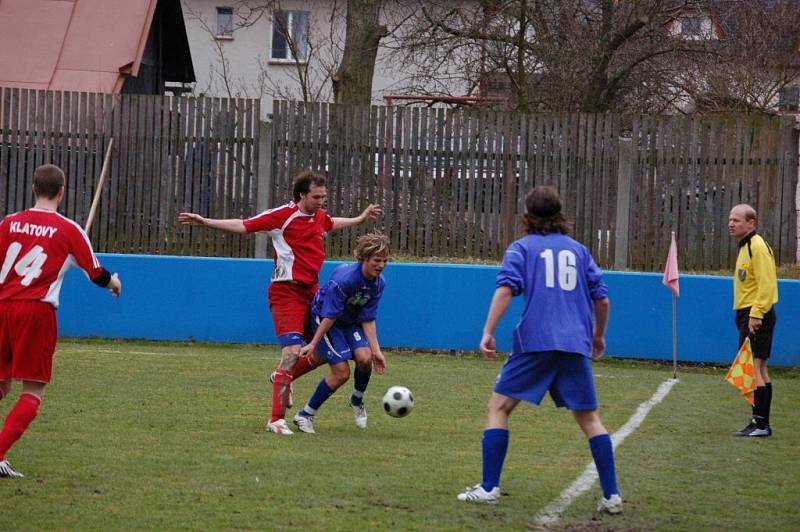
x: 550, y: 514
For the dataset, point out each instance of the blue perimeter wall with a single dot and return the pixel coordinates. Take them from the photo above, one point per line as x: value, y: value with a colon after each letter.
x: 425, y: 306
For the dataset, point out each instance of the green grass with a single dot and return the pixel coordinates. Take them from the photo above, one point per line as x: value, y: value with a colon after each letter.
x: 144, y: 435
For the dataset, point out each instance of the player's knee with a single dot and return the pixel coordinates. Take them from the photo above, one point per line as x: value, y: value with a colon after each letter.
x: 340, y: 373
x: 363, y: 357
x: 289, y: 357
x: 499, y: 404
x: 5, y: 388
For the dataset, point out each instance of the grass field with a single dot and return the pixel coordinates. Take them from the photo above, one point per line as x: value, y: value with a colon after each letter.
x: 141, y: 435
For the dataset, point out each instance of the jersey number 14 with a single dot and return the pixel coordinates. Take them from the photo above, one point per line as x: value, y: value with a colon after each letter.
x: 567, y: 273
x: 28, y: 267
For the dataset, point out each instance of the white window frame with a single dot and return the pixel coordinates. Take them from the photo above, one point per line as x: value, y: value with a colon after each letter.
x: 220, y: 34
x: 291, y: 20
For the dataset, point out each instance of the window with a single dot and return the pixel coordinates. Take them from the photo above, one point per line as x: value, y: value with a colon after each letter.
x: 225, y: 22
x: 290, y: 36
x: 692, y: 26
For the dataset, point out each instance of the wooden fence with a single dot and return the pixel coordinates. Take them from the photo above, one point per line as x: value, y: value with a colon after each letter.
x: 453, y: 182
x: 169, y: 154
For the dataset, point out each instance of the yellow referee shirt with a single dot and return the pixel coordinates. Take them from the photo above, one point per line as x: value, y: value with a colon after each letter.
x: 755, y: 279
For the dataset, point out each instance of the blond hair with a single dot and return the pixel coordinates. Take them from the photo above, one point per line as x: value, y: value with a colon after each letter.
x: 375, y: 243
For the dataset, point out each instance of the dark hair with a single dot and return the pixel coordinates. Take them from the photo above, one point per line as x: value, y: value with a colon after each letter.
x: 302, y: 183
x: 48, y: 180
x: 544, y: 215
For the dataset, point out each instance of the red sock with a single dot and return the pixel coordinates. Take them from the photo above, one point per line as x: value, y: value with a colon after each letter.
x: 279, y: 402
x: 302, y: 367
x: 17, y: 421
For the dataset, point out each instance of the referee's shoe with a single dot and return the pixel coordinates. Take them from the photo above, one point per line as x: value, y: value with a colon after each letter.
x: 752, y: 430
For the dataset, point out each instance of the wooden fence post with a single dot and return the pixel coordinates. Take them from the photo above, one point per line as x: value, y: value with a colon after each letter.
x: 624, y: 177
x: 264, y: 185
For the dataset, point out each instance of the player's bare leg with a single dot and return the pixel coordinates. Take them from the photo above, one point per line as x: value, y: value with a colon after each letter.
x: 5, y: 388
x: 289, y: 356
x: 589, y: 422
x: 500, y: 408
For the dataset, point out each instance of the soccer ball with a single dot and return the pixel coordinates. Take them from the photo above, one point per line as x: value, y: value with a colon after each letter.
x: 398, y: 401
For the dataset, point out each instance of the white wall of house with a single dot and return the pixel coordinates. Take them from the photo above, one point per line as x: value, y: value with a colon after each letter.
x: 249, y: 70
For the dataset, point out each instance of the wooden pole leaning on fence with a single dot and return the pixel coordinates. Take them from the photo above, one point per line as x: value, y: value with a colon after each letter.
x: 99, y: 189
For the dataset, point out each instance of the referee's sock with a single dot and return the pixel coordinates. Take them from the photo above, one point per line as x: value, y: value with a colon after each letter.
x: 759, y: 407
x: 603, y: 454
x: 494, y: 446
x: 767, y: 401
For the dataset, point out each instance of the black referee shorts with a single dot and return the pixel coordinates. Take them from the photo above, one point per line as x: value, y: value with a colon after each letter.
x: 761, y: 342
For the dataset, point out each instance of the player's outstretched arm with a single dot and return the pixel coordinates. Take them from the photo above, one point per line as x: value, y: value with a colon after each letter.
x: 371, y: 333
x: 234, y: 225
x: 500, y: 300
x: 370, y: 213
x: 601, y: 311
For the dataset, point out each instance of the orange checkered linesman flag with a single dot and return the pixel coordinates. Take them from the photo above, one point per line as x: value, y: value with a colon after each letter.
x: 742, y: 374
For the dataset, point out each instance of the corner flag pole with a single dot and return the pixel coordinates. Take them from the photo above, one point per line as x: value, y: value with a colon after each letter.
x: 674, y: 337
x: 671, y: 281
x: 99, y: 189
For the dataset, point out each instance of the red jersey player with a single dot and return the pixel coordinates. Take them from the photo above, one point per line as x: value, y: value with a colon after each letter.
x: 37, y: 247
x: 297, y: 229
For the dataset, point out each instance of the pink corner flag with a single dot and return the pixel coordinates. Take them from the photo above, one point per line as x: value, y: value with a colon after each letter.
x: 671, y: 269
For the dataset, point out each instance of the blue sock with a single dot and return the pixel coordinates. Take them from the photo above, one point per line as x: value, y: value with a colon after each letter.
x: 321, y: 395
x: 495, y: 446
x: 603, y: 454
x: 361, y: 381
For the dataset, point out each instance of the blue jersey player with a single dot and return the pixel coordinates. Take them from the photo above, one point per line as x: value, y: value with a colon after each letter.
x: 343, y: 320
x: 561, y: 330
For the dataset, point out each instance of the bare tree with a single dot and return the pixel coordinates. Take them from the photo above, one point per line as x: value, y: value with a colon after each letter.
x: 594, y: 55
x: 353, y: 80
x: 757, y: 58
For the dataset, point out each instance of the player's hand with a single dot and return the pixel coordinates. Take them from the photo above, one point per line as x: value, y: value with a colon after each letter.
x: 598, y: 347
x: 754, y: 324
x: 371, y: 212
x: 308, y: 350
x: 488, y: 346
x: 190, y: 218
x: 115, y: 285
x: 379, y: 362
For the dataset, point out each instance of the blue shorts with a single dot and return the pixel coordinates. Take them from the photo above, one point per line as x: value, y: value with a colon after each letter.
x: 339, y: 342
x: 285, y: 340
x: 567, y: 376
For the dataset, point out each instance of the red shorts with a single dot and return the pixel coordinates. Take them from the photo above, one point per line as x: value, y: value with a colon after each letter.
x: 28, y: 333
x: 290, y: 306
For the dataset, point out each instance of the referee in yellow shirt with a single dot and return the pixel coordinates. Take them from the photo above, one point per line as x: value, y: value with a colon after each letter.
x: 755, y: 292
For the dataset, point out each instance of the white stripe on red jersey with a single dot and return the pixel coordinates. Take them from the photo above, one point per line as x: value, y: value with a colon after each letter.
x: 37, y: 247
x: 297, y: 239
